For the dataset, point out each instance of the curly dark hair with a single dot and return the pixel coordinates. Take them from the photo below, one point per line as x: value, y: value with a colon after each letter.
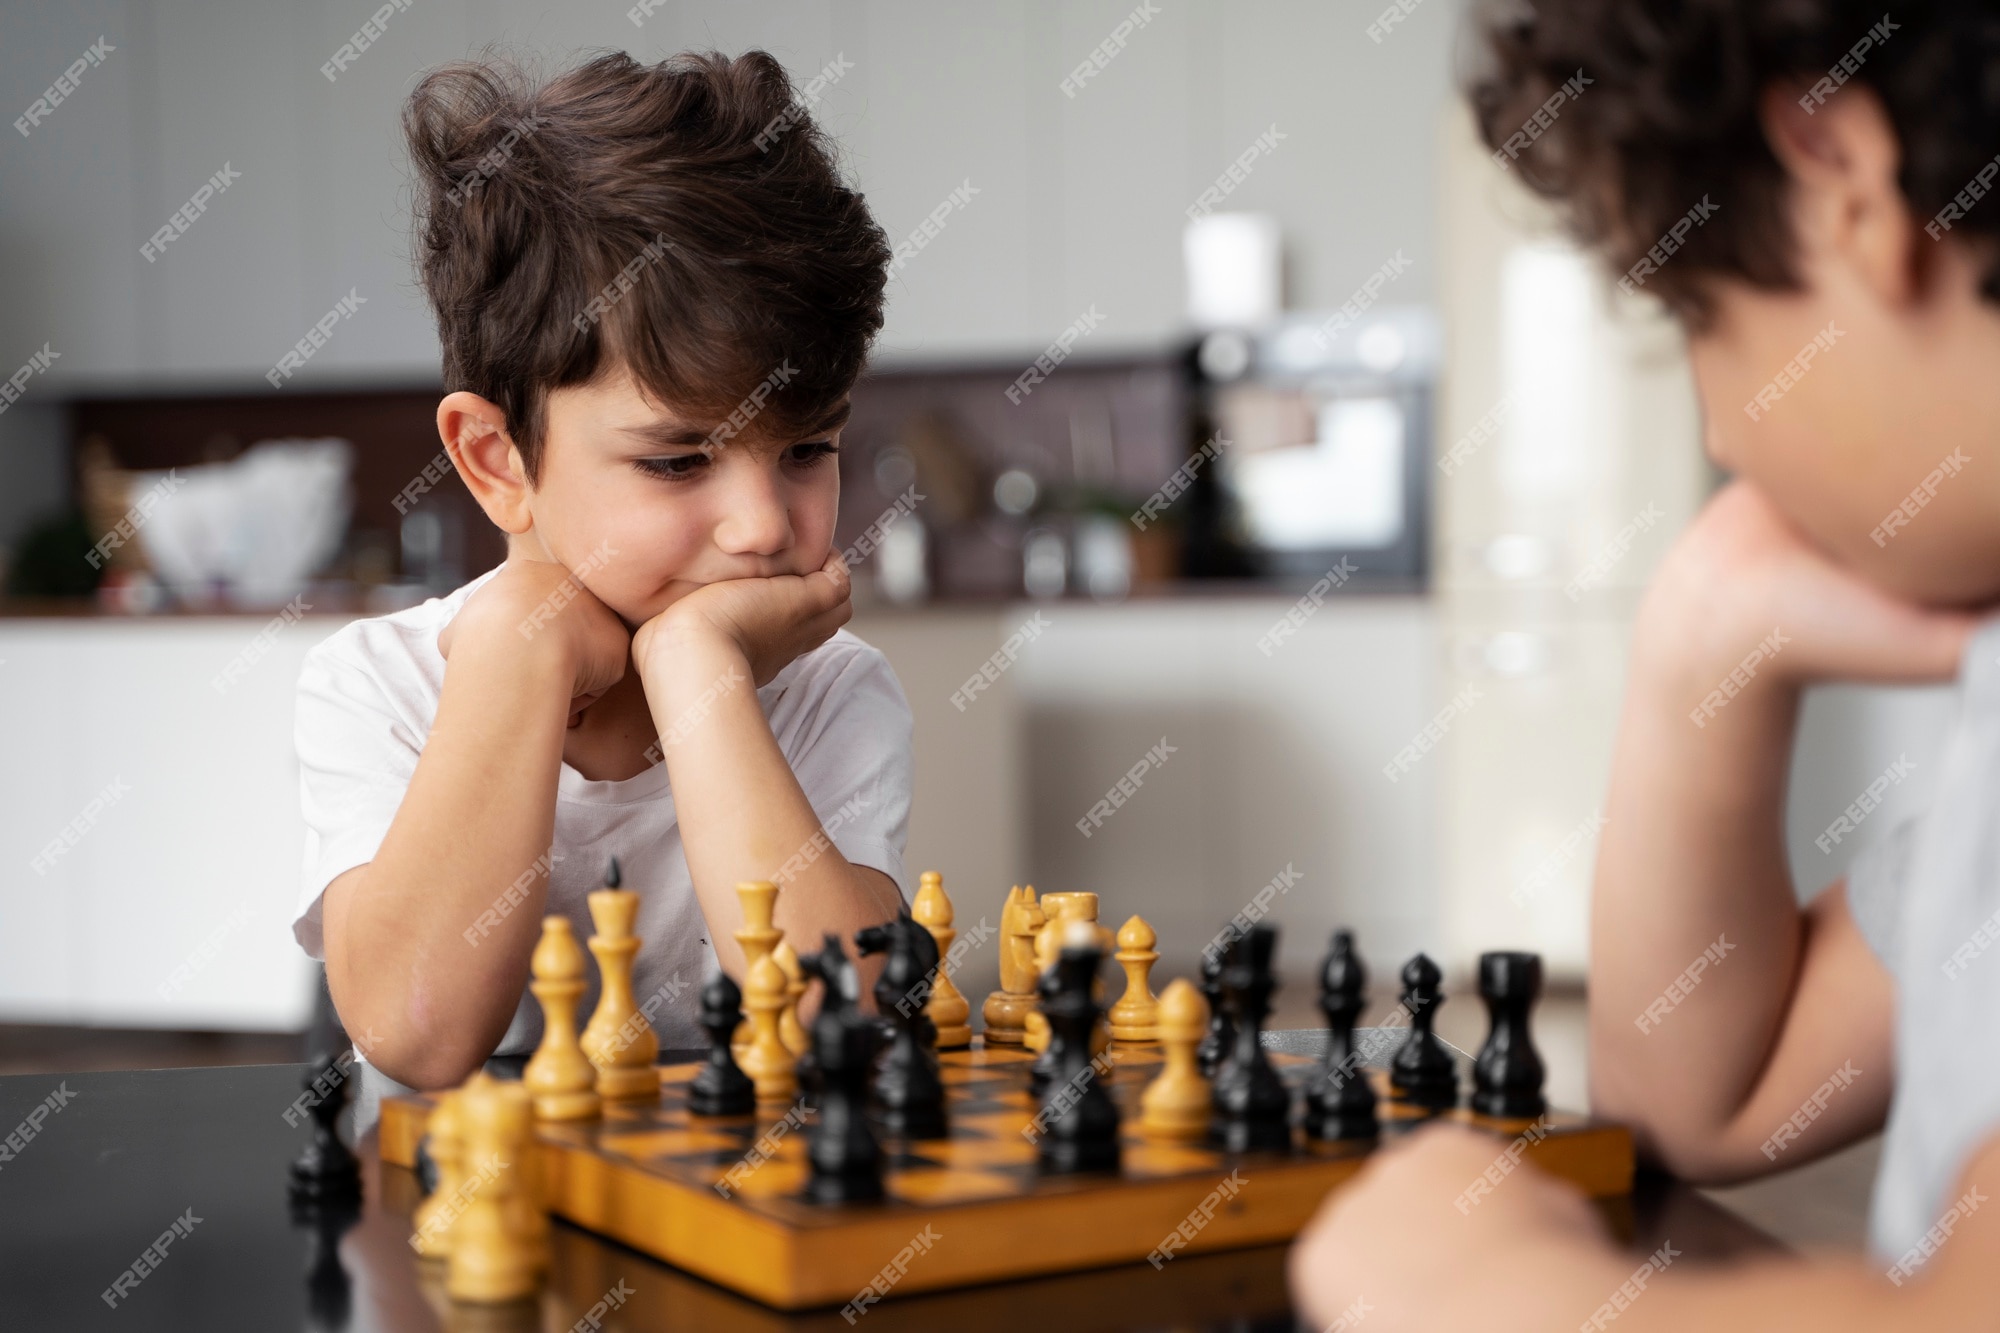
x: 686, y: 220
x: 1670, y: 118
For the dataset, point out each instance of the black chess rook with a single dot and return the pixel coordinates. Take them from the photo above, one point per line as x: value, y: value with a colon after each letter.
x: 1422, y: 1072
x: 1507, y: 1077
x: 1339, y: 1104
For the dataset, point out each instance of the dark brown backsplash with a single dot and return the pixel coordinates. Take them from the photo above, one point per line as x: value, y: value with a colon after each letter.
x: 1096, y: 436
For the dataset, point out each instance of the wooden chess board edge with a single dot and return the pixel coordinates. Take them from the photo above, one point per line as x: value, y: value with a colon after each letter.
x: 399, y: 1128
x: 1597, y: 1159
x: 941, y: 1246
x: 792, y: 1267
x: 692, y: 1229
x: 994, y: 1240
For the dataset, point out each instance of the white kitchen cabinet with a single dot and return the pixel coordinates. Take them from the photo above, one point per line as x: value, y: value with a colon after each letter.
x: 195, y: 863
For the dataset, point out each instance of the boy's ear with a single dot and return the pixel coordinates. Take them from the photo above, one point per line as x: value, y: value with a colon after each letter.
x: 1846, y: 207
x: 474, y: 432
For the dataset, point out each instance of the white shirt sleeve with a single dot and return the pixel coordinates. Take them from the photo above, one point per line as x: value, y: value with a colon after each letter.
x: 852, y: 759
x: 357, y: 753
x: 1875, y: 885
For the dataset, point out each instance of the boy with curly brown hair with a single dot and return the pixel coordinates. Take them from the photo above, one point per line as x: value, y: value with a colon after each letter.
x: 1841, y: 298
x: 654, y: 291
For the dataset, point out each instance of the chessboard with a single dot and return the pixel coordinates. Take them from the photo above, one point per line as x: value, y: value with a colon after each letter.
x: 721, y: 1196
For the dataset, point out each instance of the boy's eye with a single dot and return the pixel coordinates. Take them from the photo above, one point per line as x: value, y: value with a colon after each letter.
x: 672, y: 467
x: 811, y: 452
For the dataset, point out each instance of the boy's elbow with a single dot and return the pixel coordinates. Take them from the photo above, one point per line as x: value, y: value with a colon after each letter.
x: 1668, y: 1136
x: 427, y: 1067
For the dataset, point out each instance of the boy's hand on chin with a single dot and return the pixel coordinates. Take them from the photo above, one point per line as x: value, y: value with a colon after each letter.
x: 538, y: 605
x: 1741, y: 570
x: 771, y: 622
x: 1394, y: 1252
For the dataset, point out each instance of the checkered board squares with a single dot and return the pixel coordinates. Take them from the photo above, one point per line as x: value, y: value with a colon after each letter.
x: 648, y: 1176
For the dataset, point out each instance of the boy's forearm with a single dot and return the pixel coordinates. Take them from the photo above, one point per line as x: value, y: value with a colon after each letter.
x: 1691, y: 876
x: 429, y: 944
x: 1631, y: 1292
x: 741, y: 811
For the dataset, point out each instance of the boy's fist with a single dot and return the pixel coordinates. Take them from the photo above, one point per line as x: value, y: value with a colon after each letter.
x: 1411, y: 1245
x: 539, y: 606
x: 1741, y: 571
x: 772, y: 622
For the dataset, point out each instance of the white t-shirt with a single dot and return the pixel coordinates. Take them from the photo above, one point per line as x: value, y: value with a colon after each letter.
x: 1927, y: 899
x: 367, y: 698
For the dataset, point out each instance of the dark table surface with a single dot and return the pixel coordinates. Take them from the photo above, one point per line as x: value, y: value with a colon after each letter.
x: 128, y: 1153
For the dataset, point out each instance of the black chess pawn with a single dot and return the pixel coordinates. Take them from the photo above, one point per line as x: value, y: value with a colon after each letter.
x: 1252, y: 1105
x: 1339, y: 1103
x: 1422, y: 1072
x: 721, y: 1087
x: 845, y: 1160
x: 909, y: 1093
x: 327, y: 1171
x: 1507, y: 1076
x: 1077, y: 1118
x: 1215, y: 1043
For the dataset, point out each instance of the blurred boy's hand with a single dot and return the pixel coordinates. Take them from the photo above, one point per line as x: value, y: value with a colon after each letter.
x: 771, y: 622
x: 1404, y: 1247
x: 1740, y: 571
x: 538, y: 605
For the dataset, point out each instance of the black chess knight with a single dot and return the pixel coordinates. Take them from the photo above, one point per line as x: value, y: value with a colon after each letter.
x: 1339, y: 1102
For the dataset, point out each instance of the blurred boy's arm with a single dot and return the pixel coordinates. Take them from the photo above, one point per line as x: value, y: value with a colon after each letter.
x: 742, y: 812
x: 1392, y: 1252
x: 476, y: 819
x: 1692, y: 863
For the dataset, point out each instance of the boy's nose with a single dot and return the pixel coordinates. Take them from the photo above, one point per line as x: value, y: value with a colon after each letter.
x: 755, y: 520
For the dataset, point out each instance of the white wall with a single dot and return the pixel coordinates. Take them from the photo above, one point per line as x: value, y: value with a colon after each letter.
x: 1278, y: 761
x: 1081, y: 198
